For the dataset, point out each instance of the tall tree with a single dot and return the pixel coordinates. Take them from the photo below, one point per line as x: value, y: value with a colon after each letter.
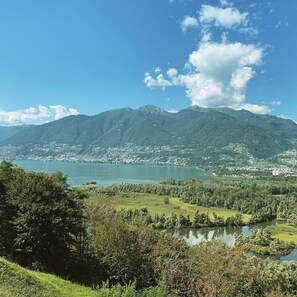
x: 46, y: 222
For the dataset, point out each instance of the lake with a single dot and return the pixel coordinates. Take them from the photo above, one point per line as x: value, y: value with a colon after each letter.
x: 107, y: 174
x: 224, y: 234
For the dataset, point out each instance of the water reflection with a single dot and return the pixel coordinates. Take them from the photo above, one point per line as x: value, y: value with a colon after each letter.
x: 224, y: 234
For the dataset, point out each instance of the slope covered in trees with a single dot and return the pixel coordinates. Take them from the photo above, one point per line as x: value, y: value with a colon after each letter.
x: 193, y: 134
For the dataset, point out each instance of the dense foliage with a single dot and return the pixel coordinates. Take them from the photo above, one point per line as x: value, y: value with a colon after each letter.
x: 261, y: 242
x: 41, y: 219
x: 48, y: 226
x: 157, y: 221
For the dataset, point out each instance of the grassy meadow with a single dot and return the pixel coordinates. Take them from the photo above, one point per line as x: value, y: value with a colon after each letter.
x: 155, y: 204
x: 284, y: 232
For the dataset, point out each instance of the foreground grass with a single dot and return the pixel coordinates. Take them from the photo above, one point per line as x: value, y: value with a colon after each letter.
x: 155, y: 204
x: 16, y: 281
x: 284, y: 232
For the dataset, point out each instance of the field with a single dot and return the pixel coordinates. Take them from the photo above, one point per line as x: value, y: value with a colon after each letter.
x: 284, y: 232
x: 155, y: 204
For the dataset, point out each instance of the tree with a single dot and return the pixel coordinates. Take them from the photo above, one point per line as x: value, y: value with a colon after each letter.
x: 7, y: 211
x: 166, y: 200
x: 47, y: 224
x: 219, y: 270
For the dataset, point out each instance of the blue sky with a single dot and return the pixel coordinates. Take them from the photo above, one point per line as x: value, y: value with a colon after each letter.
x: 62, y: 57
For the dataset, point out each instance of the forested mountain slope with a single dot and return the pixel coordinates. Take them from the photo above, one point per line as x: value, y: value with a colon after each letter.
x: 197, y: 132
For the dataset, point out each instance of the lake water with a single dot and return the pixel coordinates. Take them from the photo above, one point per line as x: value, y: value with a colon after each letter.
x: 107, y: 174
x: 224, y: 234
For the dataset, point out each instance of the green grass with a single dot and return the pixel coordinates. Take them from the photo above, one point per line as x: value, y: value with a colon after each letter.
x: 155, y: 204
x: 284, y: 232
x: 16, y: 281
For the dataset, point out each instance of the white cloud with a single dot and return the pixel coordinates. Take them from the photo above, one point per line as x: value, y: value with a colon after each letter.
x: 32, y: 115
x: 225, y: 3
x: 218, y: 75
x: 172, y: 111
x: 260, y: 109
x: 276, y: 103
x: 252, y: 32
x: 188, y: 22
x: 60, y: 111
x: 222, y: 17
x: 160, y: 81
x: 206, y: 37
x: 218, y: 72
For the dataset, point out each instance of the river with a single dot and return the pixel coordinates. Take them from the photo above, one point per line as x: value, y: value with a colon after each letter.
x: 107, y: 174
x: 224, y: 234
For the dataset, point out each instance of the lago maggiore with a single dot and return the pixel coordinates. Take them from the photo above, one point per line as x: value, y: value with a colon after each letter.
x: 108, y: 174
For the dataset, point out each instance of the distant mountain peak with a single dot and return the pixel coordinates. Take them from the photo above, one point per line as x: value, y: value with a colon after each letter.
x: 151, y: 109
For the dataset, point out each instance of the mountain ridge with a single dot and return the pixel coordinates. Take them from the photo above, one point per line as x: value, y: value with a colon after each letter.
x: 197, y: 132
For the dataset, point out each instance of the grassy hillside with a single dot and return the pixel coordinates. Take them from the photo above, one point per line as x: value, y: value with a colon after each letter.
x: 17, y: 281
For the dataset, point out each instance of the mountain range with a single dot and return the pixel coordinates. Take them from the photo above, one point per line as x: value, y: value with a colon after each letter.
x: 193, y: 135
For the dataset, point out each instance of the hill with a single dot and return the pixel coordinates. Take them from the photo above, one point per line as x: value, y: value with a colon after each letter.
x: 6, y: 132
x: 151, y: 135
x: 18, y: 281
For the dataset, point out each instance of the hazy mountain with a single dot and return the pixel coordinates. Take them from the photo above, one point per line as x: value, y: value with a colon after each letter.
x: 6, y: 132
x: 199, y: 131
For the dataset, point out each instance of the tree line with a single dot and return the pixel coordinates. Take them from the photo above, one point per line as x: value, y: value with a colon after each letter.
x: 174, y: 221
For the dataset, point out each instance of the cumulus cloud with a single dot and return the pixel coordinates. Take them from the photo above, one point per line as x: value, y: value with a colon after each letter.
x: 218, y: 75
x: 228, y: 17
x: 31, y: 115
x: 188, y: 22
x: 159, y: 81
x: 218, y: 72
